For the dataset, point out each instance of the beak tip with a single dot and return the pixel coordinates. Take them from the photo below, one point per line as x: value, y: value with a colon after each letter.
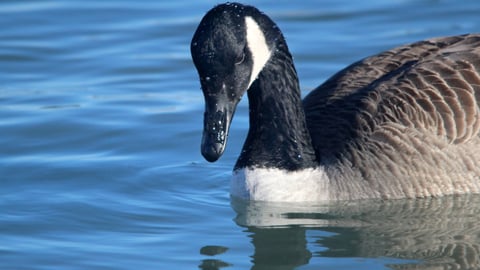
x: 211, y: 153
x: 217, y: 117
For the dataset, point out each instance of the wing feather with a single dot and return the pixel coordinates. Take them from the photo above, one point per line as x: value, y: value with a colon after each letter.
x: 431, y: 86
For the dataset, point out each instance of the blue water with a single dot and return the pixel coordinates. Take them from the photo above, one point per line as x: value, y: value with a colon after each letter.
x: 100, y: 126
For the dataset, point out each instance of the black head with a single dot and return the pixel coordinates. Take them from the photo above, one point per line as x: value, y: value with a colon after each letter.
x: 230, y: 47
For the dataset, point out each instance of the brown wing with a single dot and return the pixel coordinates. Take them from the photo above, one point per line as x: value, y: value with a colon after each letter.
x: 432, y: 86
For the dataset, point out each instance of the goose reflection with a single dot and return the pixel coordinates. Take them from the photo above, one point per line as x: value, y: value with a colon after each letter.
x: 434, y: 233
x: 279, y: 248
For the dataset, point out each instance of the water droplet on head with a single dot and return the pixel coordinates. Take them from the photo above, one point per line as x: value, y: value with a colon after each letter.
x: 207, y: 79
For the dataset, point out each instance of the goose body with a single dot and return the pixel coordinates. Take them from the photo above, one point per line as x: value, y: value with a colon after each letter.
x: 400, y: 124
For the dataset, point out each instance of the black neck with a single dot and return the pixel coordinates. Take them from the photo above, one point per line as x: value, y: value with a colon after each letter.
x: 278, y: 136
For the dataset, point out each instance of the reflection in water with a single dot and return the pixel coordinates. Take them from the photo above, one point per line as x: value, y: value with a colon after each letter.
x: 434, y: 233
x: 280, y: 248
x: 212, y: 264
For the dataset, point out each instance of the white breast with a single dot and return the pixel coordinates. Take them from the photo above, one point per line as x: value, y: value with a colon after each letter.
x: 280, y: 185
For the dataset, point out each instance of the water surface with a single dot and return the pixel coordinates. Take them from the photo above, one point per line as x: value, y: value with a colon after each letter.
x: 101, y: 118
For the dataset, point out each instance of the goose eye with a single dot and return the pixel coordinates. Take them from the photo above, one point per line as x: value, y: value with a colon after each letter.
x: 240, y: 59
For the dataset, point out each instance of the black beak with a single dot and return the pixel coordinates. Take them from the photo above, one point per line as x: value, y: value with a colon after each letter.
x: 216, y: 125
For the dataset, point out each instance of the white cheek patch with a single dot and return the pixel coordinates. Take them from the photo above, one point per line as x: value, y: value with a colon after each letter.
x: 258, y: 48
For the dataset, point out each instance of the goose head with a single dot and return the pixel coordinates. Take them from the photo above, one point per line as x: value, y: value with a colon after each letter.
x: 229, y: 49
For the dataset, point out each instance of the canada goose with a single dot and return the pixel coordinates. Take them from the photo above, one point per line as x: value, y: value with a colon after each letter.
x: 400, y: 124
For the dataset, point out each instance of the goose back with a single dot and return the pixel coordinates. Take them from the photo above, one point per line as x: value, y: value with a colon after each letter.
x: 406, y: 121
